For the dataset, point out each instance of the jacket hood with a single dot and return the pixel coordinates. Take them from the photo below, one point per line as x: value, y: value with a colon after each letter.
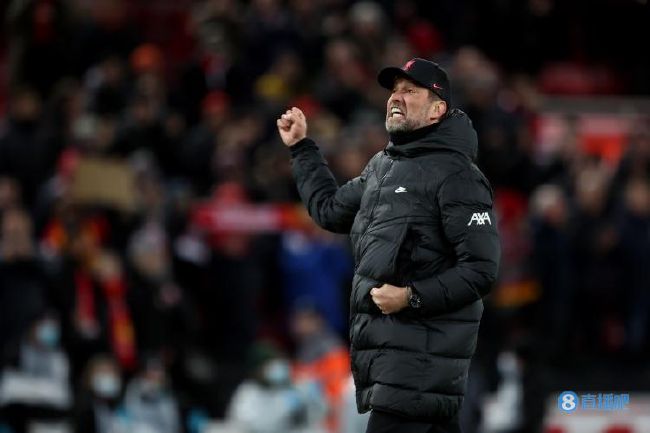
x: 455, y: 132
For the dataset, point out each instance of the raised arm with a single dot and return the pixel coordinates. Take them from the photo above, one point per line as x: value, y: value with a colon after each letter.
x: 332, y: 208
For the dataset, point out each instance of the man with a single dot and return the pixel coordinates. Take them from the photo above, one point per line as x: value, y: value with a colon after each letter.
x: 426, y: 250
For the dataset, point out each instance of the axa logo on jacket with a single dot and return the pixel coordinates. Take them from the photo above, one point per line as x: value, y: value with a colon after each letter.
x: 481, y: 218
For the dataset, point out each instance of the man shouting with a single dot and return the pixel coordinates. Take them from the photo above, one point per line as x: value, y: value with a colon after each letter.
x: 426, y: 250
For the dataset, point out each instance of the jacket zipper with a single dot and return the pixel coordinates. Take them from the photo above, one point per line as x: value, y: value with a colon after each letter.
x: 372, y: 211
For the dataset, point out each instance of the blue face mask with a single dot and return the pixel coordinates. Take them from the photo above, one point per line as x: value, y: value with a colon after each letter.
x: 48, y: 334
x: 277, y: 372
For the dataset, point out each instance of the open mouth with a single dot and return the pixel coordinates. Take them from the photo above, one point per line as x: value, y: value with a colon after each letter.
x: 396, y: 112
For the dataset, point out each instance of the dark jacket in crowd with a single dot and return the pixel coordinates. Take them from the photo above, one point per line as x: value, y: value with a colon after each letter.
x: 420, y: 214
x: 23, y: 292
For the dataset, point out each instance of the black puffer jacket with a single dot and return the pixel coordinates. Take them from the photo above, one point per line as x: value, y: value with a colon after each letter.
x: 419, y: 214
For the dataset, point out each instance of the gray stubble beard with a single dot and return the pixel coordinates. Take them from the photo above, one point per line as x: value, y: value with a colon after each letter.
x: 406, y: 126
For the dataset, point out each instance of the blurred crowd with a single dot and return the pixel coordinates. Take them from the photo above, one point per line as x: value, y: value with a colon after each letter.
x: 156, y: 271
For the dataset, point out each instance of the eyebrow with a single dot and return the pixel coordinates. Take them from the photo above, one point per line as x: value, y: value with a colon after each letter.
x: 407, y: 86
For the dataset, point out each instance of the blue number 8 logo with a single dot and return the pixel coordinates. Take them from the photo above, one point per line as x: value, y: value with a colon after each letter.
x: 567, y: 401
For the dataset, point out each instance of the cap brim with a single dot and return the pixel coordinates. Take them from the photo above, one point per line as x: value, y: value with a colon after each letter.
x: 386, y: 77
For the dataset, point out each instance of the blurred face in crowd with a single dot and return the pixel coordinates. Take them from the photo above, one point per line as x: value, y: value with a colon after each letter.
x: 276, y: 372
x: 95, y: 134
x: 149, y: 253
x: 591, y: 190
x: 410, y: 107
x: 637, y: 198
x: 216, y: 108
x: 548, y: 202
x: 105, y: 380
x: 16, y: 241
x: 306, y: 324
x: 9, y: 193
x: 153, y: 378
x: 25, y: 107
x: 46, y: 332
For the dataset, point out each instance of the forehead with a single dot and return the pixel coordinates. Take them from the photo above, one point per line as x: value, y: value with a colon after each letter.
x: 401, y: 82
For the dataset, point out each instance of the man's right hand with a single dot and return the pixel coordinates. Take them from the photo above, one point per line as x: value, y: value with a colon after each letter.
x: 292, y: 126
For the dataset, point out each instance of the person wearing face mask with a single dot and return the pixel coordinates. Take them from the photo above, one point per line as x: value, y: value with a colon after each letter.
x: 37, y: 387
x: 150, y: 402
x: 269, y: 402
x: 40, y: 353
x: 424, y: 234
x: 100, y: 408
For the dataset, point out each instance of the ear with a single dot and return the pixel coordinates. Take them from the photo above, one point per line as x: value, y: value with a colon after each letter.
x: 438, y: 109
x: 443, y: 108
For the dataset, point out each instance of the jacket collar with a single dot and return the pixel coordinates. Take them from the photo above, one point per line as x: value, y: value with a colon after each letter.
x: 455, y: 132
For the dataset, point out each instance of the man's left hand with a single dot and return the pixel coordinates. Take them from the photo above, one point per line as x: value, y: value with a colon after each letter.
x: 390, y: 299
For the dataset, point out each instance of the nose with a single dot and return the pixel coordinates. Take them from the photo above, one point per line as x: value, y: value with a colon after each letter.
x: 396, y: 98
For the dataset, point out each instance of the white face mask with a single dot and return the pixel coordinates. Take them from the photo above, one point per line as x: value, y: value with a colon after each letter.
x: 106, y: 385
x: 277, y: 372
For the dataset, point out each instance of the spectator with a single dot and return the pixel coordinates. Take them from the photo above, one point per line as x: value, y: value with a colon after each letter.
x: 596, y: 263
x: 155, y: 298
x: 635, y: 244
x: 269, y: 402
x: 36, y: 386
x: 316, y: 266
x: 24, y: 285
x: 99, y: 404
x: 342, y: 84
x: 149, y: 402
x: 552, y: 255
x: 321, y: 357
x: 201, y: 141
x: 27, y: 151
x: 40, y: 33
x: 635, y: 163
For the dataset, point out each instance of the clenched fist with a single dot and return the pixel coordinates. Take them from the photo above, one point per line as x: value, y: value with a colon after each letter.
x: 292, y: 126
x: 390, y: 299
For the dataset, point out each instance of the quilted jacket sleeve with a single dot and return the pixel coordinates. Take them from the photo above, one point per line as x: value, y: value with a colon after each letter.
x: 332, y: 207
x: 469, y: 224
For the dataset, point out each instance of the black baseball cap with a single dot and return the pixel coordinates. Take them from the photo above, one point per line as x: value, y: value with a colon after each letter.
x: 422, y: 72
